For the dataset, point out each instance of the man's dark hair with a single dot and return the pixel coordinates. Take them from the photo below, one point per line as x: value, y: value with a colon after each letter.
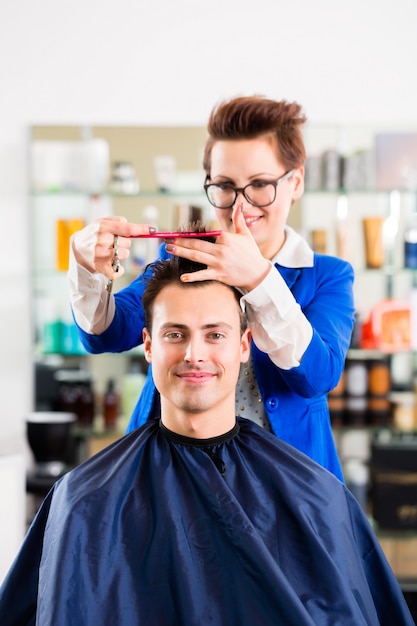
x: 169, y: 271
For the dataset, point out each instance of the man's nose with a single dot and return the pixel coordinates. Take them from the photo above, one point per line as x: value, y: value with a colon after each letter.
x: 195, y: 351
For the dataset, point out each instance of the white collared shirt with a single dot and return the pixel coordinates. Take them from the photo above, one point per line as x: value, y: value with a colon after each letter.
x: 278, y: 325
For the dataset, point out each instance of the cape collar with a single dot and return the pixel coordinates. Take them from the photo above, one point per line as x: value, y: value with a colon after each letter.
x: 199, y: 443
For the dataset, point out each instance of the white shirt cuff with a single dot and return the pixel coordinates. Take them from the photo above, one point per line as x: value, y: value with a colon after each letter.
x: 278, y: 325
x: 88, y: 297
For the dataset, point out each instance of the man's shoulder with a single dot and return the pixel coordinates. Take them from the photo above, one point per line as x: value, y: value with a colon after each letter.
x: 289, y: 459
x: 103, y: 466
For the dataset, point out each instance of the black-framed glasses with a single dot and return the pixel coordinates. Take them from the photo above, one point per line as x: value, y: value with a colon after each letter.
x: 260, y: 193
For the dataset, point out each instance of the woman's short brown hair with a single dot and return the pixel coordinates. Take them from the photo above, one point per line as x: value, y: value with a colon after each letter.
x: 249, y: 117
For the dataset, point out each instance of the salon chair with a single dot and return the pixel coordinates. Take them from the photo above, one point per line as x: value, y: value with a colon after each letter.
x: 51, y: 440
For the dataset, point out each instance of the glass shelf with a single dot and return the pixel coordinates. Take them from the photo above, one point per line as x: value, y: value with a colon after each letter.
x: 343, y: 191
x: 145, y: 193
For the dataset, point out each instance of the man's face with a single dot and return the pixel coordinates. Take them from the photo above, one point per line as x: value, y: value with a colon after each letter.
x: 196, y: 348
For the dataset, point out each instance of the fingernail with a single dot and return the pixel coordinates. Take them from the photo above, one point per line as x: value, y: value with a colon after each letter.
x: 170, y: 248
x: 184, y: 278
x: 152, y: 230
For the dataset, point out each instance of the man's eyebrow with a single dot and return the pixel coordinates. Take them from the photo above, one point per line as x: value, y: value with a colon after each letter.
x: 218, y: 325
x: 172, y: 325
x: 205, y: 326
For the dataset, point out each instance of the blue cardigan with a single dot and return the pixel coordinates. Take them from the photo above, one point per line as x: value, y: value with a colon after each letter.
x: 295, y: 400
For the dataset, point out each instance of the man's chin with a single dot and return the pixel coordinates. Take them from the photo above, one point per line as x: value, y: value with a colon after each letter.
x: 194, y: 408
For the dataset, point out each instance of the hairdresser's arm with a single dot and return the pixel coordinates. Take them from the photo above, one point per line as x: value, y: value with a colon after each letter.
x: 103, y: 328
x: 307, y: 339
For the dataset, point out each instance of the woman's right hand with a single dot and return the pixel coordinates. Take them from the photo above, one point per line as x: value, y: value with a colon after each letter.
x: 93, y: 246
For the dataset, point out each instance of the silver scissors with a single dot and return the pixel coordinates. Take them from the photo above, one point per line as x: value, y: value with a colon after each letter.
x: 115, y: 266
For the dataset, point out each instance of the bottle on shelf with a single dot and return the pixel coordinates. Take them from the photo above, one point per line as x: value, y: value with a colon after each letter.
x: 86, y: 404
x: 379, y: 384
x: 410, y: 261
x: 410, y: 243
x: 111, y: 406
x: 76, y: 395
x: 374, y: 244
x: 356, y: 392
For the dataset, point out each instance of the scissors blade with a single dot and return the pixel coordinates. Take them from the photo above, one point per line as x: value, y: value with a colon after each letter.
x: 109, y: 287
x: 115, y: 266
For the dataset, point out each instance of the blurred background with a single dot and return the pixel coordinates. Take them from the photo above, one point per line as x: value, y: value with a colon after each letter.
x: 74, y: 71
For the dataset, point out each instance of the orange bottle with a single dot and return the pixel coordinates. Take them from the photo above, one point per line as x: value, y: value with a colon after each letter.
x: 64, y: 230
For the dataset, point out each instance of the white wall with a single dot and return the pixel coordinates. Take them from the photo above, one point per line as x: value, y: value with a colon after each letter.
x: 137, y: 62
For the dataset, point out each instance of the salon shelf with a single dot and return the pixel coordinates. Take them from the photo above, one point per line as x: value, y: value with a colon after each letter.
x: 343, y: 191
x: 359, y: 354
x: 159, y: 193
x: 146, y: 193
x: 373, y: 429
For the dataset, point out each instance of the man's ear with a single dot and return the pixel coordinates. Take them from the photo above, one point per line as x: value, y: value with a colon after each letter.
x: 147, y: 345
x: 245, y: 346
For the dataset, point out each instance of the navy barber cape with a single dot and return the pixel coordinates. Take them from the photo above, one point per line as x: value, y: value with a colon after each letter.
x: 163, y: 530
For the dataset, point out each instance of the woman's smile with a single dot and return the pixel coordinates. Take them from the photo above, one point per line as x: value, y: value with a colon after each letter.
x: 252, y: 219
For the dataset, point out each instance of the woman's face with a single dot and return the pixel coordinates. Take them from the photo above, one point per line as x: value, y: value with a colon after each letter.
x: 244, y: 161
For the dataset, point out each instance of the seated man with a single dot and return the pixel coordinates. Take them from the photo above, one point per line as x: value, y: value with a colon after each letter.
x: 200, y: 518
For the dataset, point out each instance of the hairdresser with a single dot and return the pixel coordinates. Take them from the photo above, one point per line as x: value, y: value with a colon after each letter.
x: 299, y: 304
